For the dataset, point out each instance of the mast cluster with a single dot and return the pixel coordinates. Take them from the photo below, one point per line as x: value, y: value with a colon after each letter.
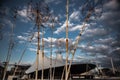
x: 39, y: 13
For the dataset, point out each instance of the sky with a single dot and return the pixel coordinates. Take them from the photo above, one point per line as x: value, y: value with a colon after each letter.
x: 98, y: 43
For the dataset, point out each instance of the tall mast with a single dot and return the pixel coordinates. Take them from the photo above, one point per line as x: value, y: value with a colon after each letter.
x: 78, y: 39
x: 42, y: 54
x: 66, y: 64
x: 51, y: 50
x: 38, y: 23
x: 40, y: 12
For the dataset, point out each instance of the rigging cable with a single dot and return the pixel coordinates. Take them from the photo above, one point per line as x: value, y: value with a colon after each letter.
x: 23, y: 52
x: 77, y: 41
x: 11, y: 45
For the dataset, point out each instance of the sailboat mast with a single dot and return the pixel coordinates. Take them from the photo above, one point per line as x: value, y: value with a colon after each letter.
x: 38, y: 22
x: 37, y: 58
x: 42, y: 54
x: 41, y: 15
x: 78, y: 39
x: 66, y: 65
x: 51, y: 50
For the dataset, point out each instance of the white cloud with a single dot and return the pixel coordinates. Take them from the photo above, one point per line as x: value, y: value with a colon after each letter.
x: 108, y: 40
x: 22, y: 38
x: 61, y: 42
x: 63, y: 27
x: 33, y: 49
x: 57, y: 2
x: 77, y: 27
x: 21, y: 42
x: 117, y: 49
x: 60, y: 16
x: 7, y: 22
x: 25, y: 17
x: 94, y: 32
x: 49, y: 1
x: 113, y: 4
x: 105, y: 15
x: 23, y: 12
x: 75, y: 16
x: 48, y: 40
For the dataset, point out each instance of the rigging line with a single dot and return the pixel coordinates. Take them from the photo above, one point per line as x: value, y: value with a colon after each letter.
x: 77, y: 41
x: 19, y: 61
x: 66, y: 64
x: 97, y: 65
x: 63, y: 73
x: 11, y: 45
x: 26, y: 45
x: 113, y: 68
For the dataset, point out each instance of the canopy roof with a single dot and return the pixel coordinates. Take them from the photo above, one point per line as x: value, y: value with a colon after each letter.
x: 55, y: 63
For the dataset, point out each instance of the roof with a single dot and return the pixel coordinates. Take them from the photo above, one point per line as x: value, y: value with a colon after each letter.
x: 55, y: 63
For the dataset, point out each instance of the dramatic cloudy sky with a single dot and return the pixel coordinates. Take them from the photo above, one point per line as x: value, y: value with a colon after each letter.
x: 99, y: 42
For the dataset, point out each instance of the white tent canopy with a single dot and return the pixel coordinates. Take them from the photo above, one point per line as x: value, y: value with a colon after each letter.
x: 55, y: 63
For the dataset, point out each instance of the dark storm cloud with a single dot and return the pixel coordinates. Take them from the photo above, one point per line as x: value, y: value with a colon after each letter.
x: 97, y: 49
x: 110, y: 17
x: 104, y: 35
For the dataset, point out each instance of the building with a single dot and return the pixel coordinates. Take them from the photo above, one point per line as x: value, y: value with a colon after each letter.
x: 1, y: 70
x: 20, y: 69
x: 57, y: 67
